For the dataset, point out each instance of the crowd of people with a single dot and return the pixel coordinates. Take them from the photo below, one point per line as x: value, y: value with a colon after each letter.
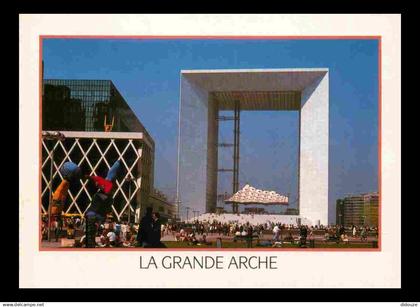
x: 339, y: 233
x: 109, y: 233
x: 149, y: 232
x: 113, y: 234
x: 191, y: 232
x: 69, y: 225
x: 234, y: 228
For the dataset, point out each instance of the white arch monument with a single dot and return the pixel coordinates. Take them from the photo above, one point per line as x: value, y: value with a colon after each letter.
x: 204, y: 92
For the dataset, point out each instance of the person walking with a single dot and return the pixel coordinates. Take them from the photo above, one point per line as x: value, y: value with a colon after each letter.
x: 145, y: 229
x: 276, y: 233
x: 124, y: 231
x: 339, y: 231
x: 363, y: 234
x: 303, y: 235
x: 156, y: 233
x: 54, y: 227
x: 250, y: 233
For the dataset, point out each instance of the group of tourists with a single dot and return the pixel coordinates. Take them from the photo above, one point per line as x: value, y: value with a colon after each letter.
x: 109, y: 233
x: 112, y: 234
x: 147, y: 234
x: 215, y: 227
x: 59, y: 225
x: 302, y: 235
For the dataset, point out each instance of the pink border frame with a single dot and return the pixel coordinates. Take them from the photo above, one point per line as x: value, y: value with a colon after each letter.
x: 379, y: 38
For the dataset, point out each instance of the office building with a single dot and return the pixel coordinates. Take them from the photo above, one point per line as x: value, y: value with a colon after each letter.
x: 79, y: 109
x: 159, y: 202
x: 361, y: 210
x: 97, y: 98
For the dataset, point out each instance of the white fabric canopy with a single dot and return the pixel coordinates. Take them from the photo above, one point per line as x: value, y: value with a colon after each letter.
x: 251, y: 195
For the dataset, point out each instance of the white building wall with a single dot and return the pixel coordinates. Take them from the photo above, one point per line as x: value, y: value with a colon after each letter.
x: 196, y: 167
x: 193, y: 146
x: 314, y: 134
x: 212, y: 155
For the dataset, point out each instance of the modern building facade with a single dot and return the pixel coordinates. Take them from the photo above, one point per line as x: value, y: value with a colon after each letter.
x: 206, y: 92
x: 77, y: 108
x: 361, y: 210
x: 159, y: 202
x: 97, y: 99
x: 60, y: 111
x: 95, y: 152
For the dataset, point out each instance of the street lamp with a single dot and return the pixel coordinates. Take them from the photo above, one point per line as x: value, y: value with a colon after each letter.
x: 51, y: 136
x: 129, y: 179
x: 188, y: 210
x: 178, y: 205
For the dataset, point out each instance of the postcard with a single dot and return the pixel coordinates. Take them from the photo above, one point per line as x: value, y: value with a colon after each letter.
x: 170, y: 155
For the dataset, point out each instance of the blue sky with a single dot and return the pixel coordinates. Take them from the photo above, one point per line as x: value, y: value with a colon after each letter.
x: 146, y: 72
